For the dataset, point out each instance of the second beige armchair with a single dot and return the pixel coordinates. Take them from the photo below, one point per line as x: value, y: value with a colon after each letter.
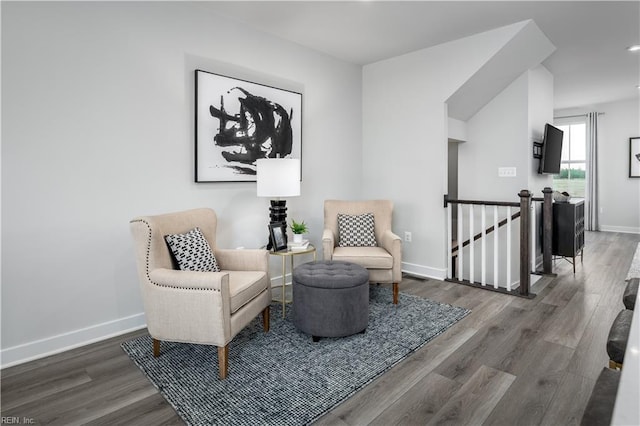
x: 381, y: 256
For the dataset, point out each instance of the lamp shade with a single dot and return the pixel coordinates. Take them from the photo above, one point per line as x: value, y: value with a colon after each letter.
x: 278, y: 177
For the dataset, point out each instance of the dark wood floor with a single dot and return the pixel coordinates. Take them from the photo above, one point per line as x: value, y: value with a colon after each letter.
x: 512, y: 361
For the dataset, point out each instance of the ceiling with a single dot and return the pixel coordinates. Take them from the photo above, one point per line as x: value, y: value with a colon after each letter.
x: 591, y: 64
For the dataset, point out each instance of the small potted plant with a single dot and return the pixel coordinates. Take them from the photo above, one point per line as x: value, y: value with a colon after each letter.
x: 298, y: 228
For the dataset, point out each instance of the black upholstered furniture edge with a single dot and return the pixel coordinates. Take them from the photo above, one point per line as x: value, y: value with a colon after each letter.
x: 603, y: 397
x: 619, y: 335
x: 631, y: 294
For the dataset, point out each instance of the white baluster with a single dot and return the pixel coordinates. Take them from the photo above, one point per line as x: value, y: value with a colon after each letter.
x: 509, y: 248
x: 532, y: 236
x: 449, y: 254
x: 471, y: 234
x: 460, y: 240
x: 483, y: 239
x: 495, y: 246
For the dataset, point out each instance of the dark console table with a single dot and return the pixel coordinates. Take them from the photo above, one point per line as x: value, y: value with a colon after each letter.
x: 568, y: 230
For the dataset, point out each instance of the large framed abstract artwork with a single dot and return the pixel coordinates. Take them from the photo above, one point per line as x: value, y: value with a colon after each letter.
x: 634, y: 157
x: 238, y: 122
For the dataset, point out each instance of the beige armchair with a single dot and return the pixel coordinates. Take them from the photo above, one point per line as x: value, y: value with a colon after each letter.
x: 208, y: 308
x: 383, y: 261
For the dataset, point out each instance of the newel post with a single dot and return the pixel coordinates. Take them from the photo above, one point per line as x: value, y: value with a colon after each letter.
x: 525, y: 205
x: 547, y: 230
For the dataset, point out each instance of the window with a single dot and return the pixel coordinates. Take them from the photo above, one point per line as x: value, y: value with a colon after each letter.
x: 573, y: 166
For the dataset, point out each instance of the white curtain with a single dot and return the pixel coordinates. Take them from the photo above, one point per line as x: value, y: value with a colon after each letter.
x: 591, y: 191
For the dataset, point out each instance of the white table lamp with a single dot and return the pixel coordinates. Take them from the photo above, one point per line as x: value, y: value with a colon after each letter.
x: 278, y: 178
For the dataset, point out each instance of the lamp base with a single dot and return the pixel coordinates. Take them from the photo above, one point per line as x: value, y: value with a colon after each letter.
x: 278, y: 211
x: 278, y: 214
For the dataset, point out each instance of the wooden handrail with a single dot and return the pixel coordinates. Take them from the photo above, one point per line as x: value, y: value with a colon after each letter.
x: 480, y: 203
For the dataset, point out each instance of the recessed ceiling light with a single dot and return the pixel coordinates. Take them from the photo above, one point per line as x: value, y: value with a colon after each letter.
x: 634, y: 48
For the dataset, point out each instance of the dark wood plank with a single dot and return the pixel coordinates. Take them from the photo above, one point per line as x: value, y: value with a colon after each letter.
x: 21, y: 392
x: 87, y: 401
x: 572, y: 321
x: 367, y: 404
x: 420, y: 403
x: 465, y: 407
x: 152, y: 410
x: 569, y: 401
x: 534, y: 387
x: 562, y: 290
x: 465, y: 362
x: 591, y: 353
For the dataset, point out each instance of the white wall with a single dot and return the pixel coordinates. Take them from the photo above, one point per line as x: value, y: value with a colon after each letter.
x: 97, y: 113
x: 540, y: 113
x: 405, y: 137
x: 496, y: 137
x: 457, y: 129
x: 501, y: 134
x: 540, y: 105
x: 619, y: 194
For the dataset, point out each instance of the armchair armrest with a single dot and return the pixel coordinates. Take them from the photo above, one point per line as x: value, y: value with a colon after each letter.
x: 243, y: 260
x: 328, y: 243
x: 177, y: 308
x: 393, y: 244
x: 189, y: 279
x: 389, y: 241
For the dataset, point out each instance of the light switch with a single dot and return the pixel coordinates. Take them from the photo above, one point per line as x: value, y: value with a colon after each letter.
x: 506, y: 171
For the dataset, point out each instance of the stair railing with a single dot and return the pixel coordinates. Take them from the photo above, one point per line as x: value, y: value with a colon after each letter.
x: 456, y: 255
x: 456, y: 274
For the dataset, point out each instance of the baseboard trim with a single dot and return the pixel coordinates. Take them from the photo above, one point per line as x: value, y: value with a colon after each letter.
x: 53, y: 345
x: 74, y: 339
x: 408, y: 268
x: 424, y: 271
x: 621, y: 229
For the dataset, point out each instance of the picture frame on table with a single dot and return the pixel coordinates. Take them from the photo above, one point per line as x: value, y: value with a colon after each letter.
x: 238, y: 122
x: 278, y: 235
x: 634, y: 157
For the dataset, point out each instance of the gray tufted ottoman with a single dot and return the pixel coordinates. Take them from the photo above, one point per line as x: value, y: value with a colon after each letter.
x: 330, y: 298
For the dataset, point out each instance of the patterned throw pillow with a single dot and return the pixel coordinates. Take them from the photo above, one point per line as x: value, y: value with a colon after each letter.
x: 192, y: 251
x: 356, y: 231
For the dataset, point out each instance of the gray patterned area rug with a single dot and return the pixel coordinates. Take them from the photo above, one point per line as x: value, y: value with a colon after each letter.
x: 283, y: 377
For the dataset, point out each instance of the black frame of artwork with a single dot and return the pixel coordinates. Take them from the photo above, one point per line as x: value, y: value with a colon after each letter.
x: 634, y: 154
x: 238, y: 122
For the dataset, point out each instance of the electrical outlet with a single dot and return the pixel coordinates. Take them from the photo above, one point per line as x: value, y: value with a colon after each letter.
x: 407, y: 236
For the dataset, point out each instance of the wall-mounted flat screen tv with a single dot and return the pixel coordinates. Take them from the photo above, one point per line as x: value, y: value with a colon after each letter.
x: 551, y: 150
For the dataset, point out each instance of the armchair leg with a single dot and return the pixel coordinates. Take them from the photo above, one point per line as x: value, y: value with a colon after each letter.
x: 266, y: 315
x: 156, y: 348
x: 395, y: 293
x: 223, y: 361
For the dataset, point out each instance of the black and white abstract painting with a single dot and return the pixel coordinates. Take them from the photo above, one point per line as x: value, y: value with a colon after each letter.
x: 239, y: 122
